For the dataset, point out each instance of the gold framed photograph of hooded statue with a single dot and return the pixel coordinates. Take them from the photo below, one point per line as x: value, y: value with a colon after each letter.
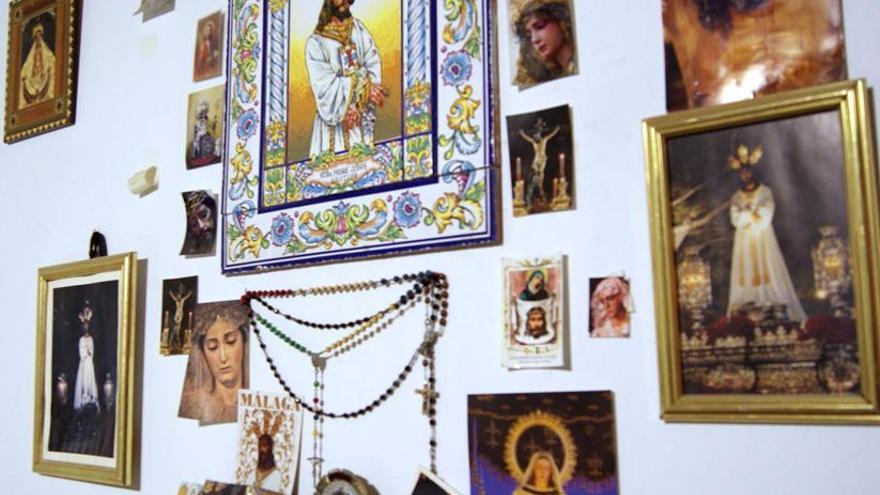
x: 763, y: 218
x: 41, y: 66
x: 84, y: 392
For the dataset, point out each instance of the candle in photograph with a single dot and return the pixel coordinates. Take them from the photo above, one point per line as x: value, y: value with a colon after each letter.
x: 518, y: 168
x: 562, y: 165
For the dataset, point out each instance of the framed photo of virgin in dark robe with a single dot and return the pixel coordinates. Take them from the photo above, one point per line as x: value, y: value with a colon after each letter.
x: 42, y: 66
x: 764, y: 230
x: 85, y: 370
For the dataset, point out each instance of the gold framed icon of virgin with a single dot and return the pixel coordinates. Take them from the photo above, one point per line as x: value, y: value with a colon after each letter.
x: 41, y: 67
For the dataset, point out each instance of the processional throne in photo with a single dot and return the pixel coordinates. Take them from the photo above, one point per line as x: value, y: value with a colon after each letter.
x: 764, y: 341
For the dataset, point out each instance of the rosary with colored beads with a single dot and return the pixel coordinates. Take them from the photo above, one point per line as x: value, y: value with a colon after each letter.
x: 430, y: 287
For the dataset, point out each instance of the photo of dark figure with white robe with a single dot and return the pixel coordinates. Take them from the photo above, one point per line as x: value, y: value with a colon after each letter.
x: 84, y: 353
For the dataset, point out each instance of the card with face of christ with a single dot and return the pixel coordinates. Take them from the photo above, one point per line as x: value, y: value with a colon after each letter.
x: 534, y: 317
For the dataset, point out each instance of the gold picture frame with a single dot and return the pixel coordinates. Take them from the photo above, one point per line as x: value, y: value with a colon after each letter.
x: 84, y: 391
x: 41, y: 71
x: 801, y: 351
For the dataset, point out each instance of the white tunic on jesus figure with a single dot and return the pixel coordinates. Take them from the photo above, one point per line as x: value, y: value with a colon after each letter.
x: 343, y: 63
x: 758, y: 273
x: 86, y: 391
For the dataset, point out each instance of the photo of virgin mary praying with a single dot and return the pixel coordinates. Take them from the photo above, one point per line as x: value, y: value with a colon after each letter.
x: 760, y: 232
x: 218, y: 363
x: 83, y: 362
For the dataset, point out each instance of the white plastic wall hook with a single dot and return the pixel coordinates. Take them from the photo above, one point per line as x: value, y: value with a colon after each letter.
x: 144, y: 182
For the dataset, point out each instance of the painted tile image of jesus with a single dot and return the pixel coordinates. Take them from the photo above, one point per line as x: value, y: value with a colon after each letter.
x: 345, y: 81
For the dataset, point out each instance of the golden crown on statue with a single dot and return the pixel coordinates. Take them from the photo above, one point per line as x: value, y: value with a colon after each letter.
x: 745, y: 157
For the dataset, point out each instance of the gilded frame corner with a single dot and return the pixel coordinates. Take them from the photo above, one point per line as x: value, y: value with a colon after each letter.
x: 851, y: 100
x: 49, y: 102
x: 121, y: 268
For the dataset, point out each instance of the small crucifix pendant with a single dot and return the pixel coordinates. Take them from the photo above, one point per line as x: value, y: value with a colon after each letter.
x: 428, y: 395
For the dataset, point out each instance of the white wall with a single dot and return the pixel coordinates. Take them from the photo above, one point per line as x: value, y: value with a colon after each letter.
x: 134, y: 81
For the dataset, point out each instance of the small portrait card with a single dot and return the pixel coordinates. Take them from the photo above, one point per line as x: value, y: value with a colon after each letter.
x: 204, y: 127
x: 201, y: 223
x: 541, y: 161
x: 208, y: 57
x: 610, y: 307
x: 534, y: 320
x: 270, y: 427
x: 179, y: 298
x: 543, y: 45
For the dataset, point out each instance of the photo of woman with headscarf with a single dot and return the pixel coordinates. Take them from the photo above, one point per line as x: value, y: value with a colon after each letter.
x: 543, y: 40
x: 218, y: 363
x: 610, y: 306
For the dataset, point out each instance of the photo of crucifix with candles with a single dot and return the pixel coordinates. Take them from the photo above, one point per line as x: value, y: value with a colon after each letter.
x: 541, y: 161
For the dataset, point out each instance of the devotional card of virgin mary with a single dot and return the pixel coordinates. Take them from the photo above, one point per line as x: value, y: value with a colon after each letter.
x: 42, y: 65
x: 534, y: 316
x: 542, y: 41
x: 543, y: 443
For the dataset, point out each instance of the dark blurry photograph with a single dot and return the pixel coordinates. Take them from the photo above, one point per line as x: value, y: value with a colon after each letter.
x: 428, y: 483
x: 720, y: 51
